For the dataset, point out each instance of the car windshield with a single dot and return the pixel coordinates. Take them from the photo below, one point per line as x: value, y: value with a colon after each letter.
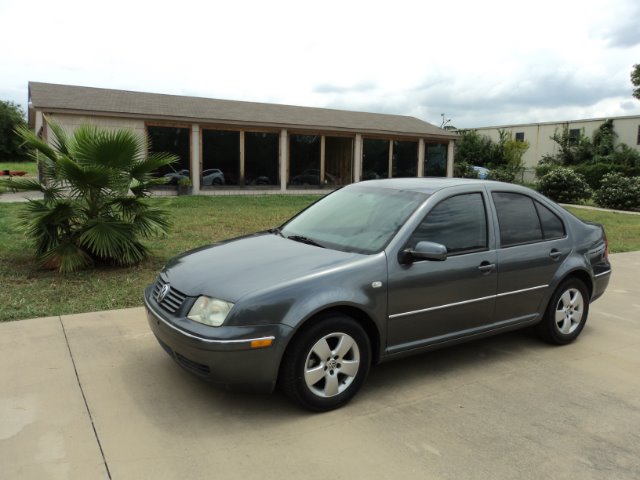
x: 354, y: 219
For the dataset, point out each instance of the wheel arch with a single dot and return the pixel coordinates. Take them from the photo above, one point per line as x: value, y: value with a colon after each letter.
x: 581, y: 275
x: 361, y: 317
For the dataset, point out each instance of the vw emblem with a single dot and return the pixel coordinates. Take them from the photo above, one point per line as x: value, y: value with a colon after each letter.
x: 164, y: 291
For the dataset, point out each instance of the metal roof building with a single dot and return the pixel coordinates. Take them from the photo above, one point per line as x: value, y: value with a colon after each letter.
x: 228, y: 146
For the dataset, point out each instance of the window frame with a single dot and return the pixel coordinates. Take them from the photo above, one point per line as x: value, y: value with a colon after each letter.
x: 486, y: 221
x: 534, y: 201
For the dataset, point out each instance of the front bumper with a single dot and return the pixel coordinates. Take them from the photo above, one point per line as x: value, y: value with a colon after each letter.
x: 228, y: 359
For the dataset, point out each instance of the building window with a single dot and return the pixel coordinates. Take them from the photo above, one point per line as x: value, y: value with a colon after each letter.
x: 574, y: 136
x: 519, y: 136
x: 338, y: 160
x: 375, y: 159
x: 304, y: 159
x: 220, y: 158
x: 405, y: 159
x: 174, y: 140
x: 435, y: 160
x: 261, y: 152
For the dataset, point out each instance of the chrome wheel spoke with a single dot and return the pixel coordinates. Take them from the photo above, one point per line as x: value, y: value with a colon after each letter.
x: 566, y: 325
x: 322, y: 349
x: 345, y: 344
x: 314, y: 375
x: 331, y: 385
x: 349, y: 367
x: 566, y: 298
x: 559, y: 316
x: 577, y: 315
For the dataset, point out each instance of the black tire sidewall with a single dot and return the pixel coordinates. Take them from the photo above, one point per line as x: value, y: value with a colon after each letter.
x: 296, y: 359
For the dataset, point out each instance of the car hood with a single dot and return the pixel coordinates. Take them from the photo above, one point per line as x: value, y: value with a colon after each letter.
x: 232, y: 269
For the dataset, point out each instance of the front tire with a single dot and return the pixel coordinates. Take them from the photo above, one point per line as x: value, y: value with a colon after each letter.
x: 326, y: 364
x: 566, y: 313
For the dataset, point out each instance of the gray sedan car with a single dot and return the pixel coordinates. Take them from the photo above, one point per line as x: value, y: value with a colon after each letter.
x: 372, y: 272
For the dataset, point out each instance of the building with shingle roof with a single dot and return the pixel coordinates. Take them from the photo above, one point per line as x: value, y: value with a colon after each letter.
x: 236, y: 145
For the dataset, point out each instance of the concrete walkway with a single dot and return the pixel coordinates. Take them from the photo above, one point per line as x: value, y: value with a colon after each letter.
x: 93, y: 396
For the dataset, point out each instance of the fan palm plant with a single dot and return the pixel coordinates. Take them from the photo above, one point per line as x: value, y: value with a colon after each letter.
x: 94, y: 211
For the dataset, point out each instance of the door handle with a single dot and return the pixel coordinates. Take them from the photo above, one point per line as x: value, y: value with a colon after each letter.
x: 486, y: 267
x: 555, y: 254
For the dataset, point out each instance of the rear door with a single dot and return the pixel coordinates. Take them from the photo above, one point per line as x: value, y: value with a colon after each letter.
x: 532, y: 243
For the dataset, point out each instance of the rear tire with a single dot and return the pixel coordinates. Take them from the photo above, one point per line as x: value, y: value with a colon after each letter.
x: 326, y: 364
x: 566, y: 313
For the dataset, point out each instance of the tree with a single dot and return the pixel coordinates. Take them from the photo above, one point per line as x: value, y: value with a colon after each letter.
x: 503, y: 158
x: 635, y: 80
x: 11, y: 147
x: 94, y: 209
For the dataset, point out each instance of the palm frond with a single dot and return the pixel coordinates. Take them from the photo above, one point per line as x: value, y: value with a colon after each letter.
x: 60, y: 140
x: 151, y: 222
x: 32, y: 140
x: 144, y: 170
x: 66, y: 257
x: 110, y: 240
x: 116, y: 149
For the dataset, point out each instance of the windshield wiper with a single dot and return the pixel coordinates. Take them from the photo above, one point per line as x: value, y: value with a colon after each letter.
x: 303, y: 239
x: 276, y: 231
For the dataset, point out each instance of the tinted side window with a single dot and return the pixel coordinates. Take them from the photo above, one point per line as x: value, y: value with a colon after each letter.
x: 517, y: 218
x: 459, y: 223
x: 552, y: 226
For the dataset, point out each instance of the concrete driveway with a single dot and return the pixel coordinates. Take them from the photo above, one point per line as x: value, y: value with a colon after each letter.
x: 93, y: 396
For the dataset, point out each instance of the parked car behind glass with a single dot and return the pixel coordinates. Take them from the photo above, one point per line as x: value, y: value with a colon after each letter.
x: 375, y: 271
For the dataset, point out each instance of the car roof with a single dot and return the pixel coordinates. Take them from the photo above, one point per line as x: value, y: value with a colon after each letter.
x: 427, y: 185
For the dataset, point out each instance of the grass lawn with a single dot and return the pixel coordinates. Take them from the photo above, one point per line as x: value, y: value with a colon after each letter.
x: 30, y: 167
x: 27, y: 292
x: 623, y: 230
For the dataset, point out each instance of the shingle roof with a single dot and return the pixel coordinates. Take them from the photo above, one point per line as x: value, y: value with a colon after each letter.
x: 53, y: 97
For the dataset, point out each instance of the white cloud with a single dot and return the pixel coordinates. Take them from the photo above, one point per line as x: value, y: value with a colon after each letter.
x: 479, y: 62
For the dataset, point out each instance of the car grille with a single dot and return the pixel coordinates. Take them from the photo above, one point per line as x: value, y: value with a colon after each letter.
x: 172, y: 301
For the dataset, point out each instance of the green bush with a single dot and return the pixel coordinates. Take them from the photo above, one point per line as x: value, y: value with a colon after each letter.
x: 593, y: 173
x: 619, y: 192
x: 545, y: 166
x: 506, y: 173
x: 464, y: 170
x: 564, y: 185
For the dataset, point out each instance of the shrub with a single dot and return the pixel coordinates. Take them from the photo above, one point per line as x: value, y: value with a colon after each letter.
x: 619, y: 192
x: 505, y: 173
x: 464, y: 170
x: 564, y: 185
x: 545, y: 166
x: 593, y: 173
x: 93, y: 210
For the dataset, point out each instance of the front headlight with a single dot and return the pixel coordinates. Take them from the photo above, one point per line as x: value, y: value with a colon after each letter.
x: 209, y: 311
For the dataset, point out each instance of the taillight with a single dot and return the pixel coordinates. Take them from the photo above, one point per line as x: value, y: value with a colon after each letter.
x: 606, y: 245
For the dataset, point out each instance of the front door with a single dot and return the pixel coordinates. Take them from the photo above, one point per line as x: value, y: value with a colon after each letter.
x: 433, y: 301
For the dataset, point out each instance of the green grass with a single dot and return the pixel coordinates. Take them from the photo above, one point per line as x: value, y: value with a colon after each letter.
x: 27, y: 292
x: 30, y: 167
x: 623, y: 229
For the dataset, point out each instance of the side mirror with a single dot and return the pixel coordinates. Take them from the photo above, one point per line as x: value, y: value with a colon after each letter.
x: 424, y: 251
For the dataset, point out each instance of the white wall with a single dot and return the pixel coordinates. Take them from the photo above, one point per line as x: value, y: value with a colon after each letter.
x: 538, y: 134
x: 71, y: 122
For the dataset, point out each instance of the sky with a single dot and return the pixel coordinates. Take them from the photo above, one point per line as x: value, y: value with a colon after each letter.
x: 480, y: 63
